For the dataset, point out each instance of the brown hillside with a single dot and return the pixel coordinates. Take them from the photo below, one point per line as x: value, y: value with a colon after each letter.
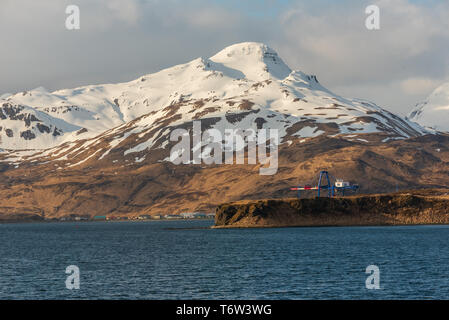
x: 103, y: 187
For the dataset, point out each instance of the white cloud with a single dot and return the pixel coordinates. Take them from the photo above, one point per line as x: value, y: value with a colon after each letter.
x: 127, y: 11
x: 413, y: 42
x: 120, y: 40
x: 211, y: 18
x: 339, y: 36
x: 419, y: 85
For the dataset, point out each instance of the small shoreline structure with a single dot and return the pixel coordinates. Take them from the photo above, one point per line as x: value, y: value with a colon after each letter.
x: 35, y: 218
x: 402, y: 208
x: 338, y: 187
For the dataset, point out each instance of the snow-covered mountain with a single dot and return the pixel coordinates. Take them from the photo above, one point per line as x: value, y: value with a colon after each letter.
x: 105, y: 149
x: 434, y: 111
x: 246, y: 85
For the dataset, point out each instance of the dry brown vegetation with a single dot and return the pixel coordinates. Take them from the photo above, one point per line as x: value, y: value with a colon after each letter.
x: 117, y: 185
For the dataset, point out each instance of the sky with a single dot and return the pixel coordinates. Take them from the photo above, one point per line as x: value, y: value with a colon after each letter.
x: 120, y: 40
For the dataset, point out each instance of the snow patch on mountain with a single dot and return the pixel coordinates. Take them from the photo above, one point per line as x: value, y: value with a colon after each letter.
x: 434, y: 111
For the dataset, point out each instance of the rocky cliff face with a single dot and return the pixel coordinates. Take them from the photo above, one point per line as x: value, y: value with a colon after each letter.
x: 393, y: 209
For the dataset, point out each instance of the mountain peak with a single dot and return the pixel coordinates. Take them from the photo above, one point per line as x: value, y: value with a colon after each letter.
x: 255, y: 60
x: 246, y: 48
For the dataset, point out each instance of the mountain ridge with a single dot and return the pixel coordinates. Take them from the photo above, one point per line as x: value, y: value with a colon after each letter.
x: 246, y: 85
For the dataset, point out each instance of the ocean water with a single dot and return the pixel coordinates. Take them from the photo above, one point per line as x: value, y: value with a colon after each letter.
x: 185, y: 260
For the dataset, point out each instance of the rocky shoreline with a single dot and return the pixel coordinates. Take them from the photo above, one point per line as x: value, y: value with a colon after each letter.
x: 363, y: 210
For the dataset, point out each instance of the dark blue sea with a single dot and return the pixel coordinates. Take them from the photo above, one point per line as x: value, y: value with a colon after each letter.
x: 184, y: 260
